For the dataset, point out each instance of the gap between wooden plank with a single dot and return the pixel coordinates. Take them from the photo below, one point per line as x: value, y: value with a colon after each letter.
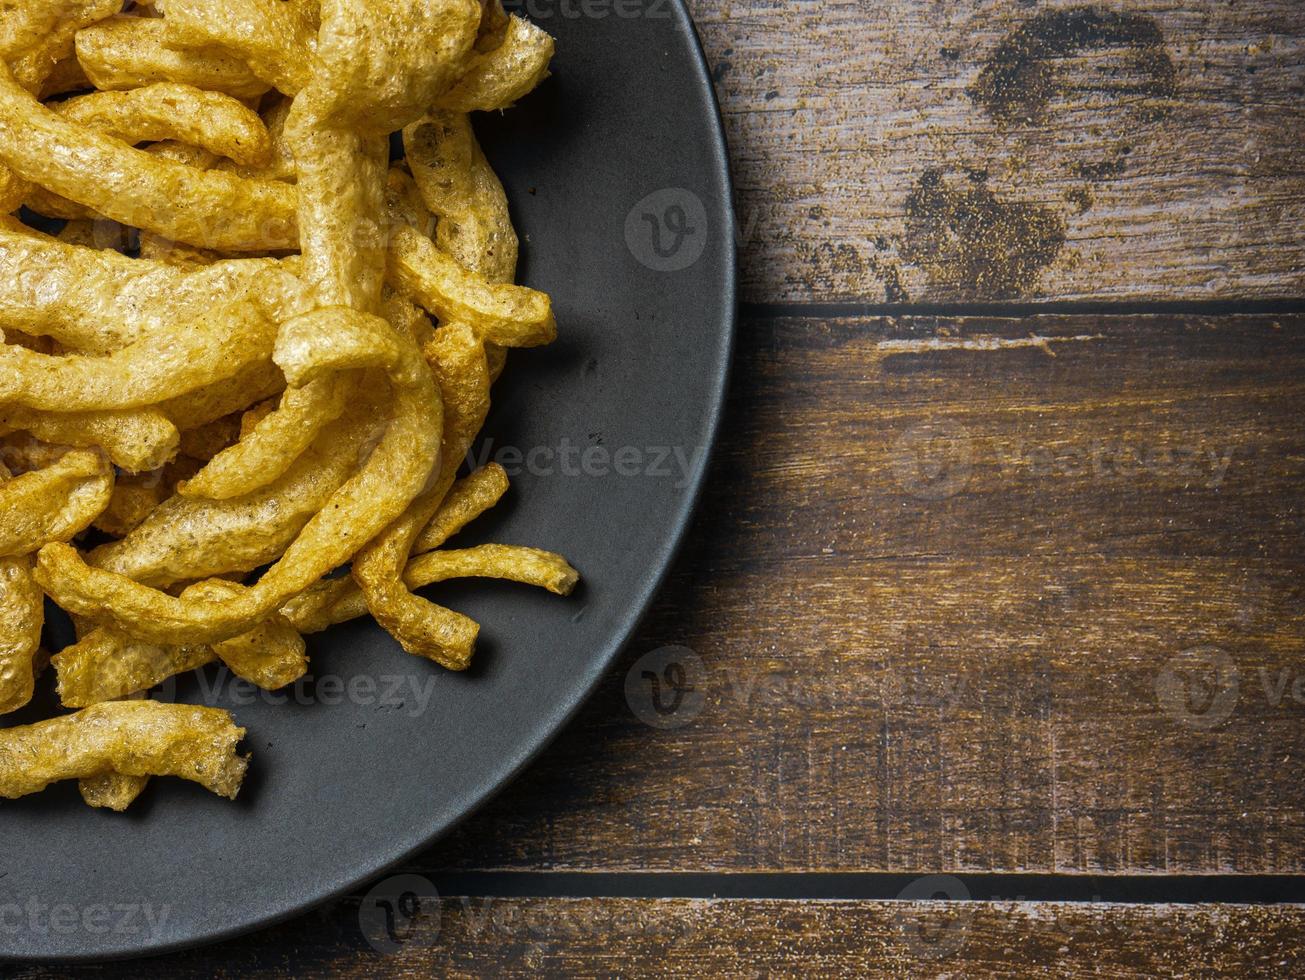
x: 838, y: 311
x: 1127, y: 889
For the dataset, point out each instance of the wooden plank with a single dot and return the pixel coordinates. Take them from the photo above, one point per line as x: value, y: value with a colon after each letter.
x: 913, y: 150
x: 530, y: 937
x: 987, y: 678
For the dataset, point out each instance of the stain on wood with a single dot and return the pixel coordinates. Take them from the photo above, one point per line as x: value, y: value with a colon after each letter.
x: 945, y: 581
x: 604, y: 937
x: 1164, y: 137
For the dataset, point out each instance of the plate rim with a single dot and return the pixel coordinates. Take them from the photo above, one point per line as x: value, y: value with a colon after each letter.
x: 565, y: 711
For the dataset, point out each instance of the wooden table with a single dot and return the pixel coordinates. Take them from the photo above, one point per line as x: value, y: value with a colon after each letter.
x: 997, y: 590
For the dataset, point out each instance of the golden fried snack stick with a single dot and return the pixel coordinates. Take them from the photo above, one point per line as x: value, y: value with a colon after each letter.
x: 497, y: 78
x: 23, y: 607
x: 207, y: 208
x: 105, y: 665
x: 210, y: 349
x: 135, y: 738
x: 170, y: 111
x: 273, y: 444
x: 511, y: 316
x: 421, y: 627
x: 131, y: 52
x: 55, y: 503
x: 337, y: 601
x: 67, y: 76
x: 470, y: 497
x: 192, y: 537
x: 382, y: 63
x: 275, y: 38
x: 282, y: 164
x: 394, y: 474
x: 460, y: 188
x: 137, y: 440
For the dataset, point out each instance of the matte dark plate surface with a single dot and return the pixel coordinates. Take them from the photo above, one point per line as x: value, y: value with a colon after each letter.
x: 606, y: 435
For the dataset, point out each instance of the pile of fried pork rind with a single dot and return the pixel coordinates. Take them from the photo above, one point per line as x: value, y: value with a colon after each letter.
x: 246, y: 356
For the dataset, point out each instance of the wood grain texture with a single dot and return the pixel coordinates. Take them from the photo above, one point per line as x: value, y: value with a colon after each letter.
x: 479, y: 937
x: 913, y: 150
x: 950, y: 583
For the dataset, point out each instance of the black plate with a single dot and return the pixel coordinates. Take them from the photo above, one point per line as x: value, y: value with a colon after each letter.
x: 628, y: 400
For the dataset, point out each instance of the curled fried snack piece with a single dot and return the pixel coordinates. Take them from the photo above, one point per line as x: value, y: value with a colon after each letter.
x: 170, y: 111
x: 497, y: 78
x: 335, y: 601
x: 208, y: 208
x: 105, y: 665
x: 275, y: 442
x: 276, y: 38
x: 130, y: 52
x: 135, y: 738
x: 54, y: 503
x: 470, y: 497
x: 23, y: 608
x: 421, y: 627
x: 211, y: 349
x: 137, y: 439
x: 510, y: 316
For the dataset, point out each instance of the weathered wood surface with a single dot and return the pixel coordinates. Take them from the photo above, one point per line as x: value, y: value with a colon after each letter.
x: 940, y: 598
x: 532, y: 937
x: 912, y: 150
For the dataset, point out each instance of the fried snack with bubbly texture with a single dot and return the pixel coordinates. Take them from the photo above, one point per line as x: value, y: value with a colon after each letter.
x: 55, y: 503
x: 131, y: 52
x: 111, y: 790
x: 497, y: 78
x: 460, y: 188
x: 208, y: 208
x: 421, y: 627
x: 66, y: 76
x: 382, y: 64
x: 208, y: 350
x: 272, y: 445
x: 135, y: 738
x: 137, y: 440
x: 20, y: 630
x: 275, y: 38
x: 470, y: 497
x: 211, y: 121
x: 281, y: 166
x: 98, y: 234
x: 193, y: 537
x: 511, y: 316
x: 336, y: 601
x: 106, y: 665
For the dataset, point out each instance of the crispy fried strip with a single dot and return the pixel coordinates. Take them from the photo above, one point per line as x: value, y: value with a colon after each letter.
x: 135, y: 738
x: 207, y: 208
x: 458, y: 185
x: 470, y: 497
x: 189, y: 537
x: 421, y: 627
x: 55, y: 503
x: 265, y: 453
x: 383, y: 63
x: 282, y: 165
x: 496, y: 79
x: 106, y: 665
x: 101, y: 234
x: 336, y: 601
x: 271, y: 655
x: 275, y: 38
x: 66, y: 76
x: 395, y: 473
x: 170, y: 111
x: 131, y: 52
x: 510, y: 316
x: 111, y: 790
x: 214, y: 347
x: 23, y: 606
x: 136, y: 439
